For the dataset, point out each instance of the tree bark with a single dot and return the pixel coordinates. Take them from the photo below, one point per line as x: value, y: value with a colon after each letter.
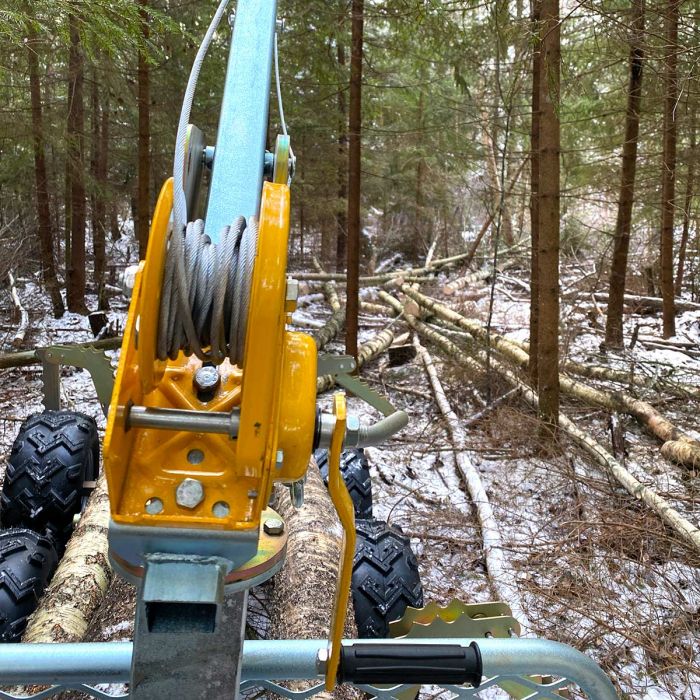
x: 548, y: 215
x: 668, y: 169
x: 618, y: 270
x: 45, y: 230
x: 341, y: 215
x: 489, y: 147
x: 75, y: 156
x: 100, y: 234
x: 354, y: 180
x: 367, y: 352
x: 143, y: 205
x: 335, y: 323
x: 535, y: 192
x: 687, y: 205
x: 99, y: 173
x: 503, y: 582
x: 81, y: 579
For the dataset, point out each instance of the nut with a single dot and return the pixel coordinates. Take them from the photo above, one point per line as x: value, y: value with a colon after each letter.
x: 189, y: 493
x: 273, y: 526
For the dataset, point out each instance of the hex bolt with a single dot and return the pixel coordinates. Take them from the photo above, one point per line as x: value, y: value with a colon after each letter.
x: 252, y: 493
x: 206, y: 381
x: 221, y: 509
x: 154, y: 506
x: 273, y: 526
x: 189, y: 493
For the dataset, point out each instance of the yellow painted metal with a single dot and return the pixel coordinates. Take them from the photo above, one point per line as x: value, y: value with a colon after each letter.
x: 151, y: 369
x: 346, y: 513
x: 275, y: 393
x: 298, y: 406
x: 270, y: 554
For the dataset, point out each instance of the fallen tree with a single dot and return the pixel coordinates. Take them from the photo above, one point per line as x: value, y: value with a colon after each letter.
x: 81, y: 579
x: 503, y: 583
x: 641, y: 302
x: 678, y: 445
x: 660, y: 506
x: 335, y: 323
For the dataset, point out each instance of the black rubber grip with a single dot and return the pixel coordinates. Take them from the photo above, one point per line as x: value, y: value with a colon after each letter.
x: 374, y: 664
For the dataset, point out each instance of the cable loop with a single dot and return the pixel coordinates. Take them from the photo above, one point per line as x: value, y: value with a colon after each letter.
x: 206, y: 293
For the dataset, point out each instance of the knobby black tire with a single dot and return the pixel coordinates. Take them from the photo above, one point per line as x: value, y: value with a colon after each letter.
x: 53, y: 454
x: 385, y: 578
x: 354, y: 469
x: 27, y: 563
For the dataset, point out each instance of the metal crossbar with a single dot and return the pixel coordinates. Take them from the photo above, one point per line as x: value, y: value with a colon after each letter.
x: 538, y: 667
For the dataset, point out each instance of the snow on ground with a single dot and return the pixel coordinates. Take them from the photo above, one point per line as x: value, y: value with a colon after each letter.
x: 595, y: 569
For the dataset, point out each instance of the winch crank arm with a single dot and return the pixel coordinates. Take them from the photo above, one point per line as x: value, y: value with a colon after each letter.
x: 346, y: 514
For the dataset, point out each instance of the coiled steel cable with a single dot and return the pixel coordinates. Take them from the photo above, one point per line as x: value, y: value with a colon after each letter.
x: 206, y: 286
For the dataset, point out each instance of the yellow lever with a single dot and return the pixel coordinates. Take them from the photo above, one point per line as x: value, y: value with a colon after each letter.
x: 346, y: 513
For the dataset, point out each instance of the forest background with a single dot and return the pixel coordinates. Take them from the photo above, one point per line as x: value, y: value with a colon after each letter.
x: 91, y: 93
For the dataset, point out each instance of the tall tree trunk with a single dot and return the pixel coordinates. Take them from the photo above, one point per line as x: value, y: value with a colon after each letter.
x: 45, y: 231
x: 420, y: 239
x: 534, y: 194
x: 100, y: 116
x: 668, y: 169
x: 341, y: 218
x: 354, y: 175
x: 143, y: 206
x: 489, y: 145
x: 548, y: 239
x: 687, y: 203
x: 76, y: 129
x: 618, y: 270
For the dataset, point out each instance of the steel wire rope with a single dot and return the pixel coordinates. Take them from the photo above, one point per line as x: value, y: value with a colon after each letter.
x: 206, y: 286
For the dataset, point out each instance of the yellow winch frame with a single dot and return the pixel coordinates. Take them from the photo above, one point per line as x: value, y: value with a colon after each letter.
x: 275, y: 391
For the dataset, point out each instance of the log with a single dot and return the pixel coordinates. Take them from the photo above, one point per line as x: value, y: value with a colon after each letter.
x: 661, y: 507
x: 18, y: 338
x: 377, y: 309
x: 81, y: 579
x: 336, y: 322
x: 366, y: 280
x: 503, y: 583
x: 620, y: 376
x: 461, y: 282
x: 641, y: 301
x: 29, y: 357
x: 679, y: 446
x: 301, y: 600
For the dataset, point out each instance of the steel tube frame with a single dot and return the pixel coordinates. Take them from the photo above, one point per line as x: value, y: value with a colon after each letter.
x: 239, y: 159
x: 110, y: 662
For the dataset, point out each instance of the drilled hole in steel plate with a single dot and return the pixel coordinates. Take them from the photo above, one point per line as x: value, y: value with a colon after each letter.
x: 221, y: 509
x: 154, y: 506
x: 195, y: 456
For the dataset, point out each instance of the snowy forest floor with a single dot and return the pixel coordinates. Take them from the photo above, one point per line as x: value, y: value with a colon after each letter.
x: 596, y: 569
